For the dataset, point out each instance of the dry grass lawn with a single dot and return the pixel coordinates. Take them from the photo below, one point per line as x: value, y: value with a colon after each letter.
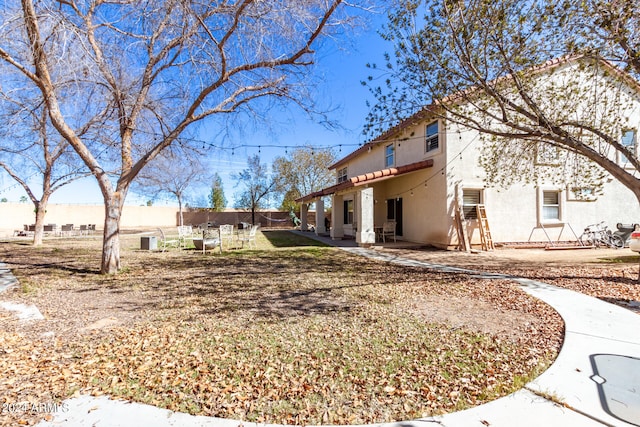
x: 292, y: 332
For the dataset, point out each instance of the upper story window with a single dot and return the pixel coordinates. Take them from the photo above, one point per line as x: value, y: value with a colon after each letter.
x: 389, y: 160
x: 431, y: 137
x: 342, y: 175
x: 629, y: 142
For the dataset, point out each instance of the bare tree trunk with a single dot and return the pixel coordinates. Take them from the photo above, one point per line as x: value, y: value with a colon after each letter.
x: 180, y: 210
x: 41, y: 210
x: 111, y: 237
x: 39, y: 230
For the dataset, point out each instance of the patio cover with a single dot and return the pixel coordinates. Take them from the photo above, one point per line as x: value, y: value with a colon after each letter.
x: 367, y: 178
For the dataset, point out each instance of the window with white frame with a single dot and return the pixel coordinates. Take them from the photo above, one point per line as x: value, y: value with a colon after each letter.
x: 342, y: 175
x: 551, y: 205
x: 431, y: 137
x: 628, y: 141
x: 471, y: 198
x: 389, y: 160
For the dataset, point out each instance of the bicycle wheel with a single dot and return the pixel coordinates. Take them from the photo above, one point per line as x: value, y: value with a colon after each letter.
x: 587, y: 239
x: 616, y: 241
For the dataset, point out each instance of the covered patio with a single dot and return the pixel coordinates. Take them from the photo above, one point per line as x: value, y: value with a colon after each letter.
x: 355, y: 207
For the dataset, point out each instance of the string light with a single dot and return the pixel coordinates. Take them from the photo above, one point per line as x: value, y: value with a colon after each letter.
x: 439, y: 172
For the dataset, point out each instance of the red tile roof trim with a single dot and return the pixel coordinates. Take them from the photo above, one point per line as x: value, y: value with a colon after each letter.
x: 367, y: 178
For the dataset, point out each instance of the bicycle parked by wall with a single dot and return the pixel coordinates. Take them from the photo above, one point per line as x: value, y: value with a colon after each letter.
x: 599, y: 235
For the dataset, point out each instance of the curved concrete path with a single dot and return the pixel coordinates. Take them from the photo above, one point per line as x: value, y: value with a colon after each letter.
x: 595, y: 380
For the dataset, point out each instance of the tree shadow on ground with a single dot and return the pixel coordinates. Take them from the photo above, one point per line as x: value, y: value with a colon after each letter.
x: 291, y: 281
x: 273, y: 285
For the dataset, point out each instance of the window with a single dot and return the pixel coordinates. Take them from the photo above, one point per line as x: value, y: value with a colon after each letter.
x: 629, y: 142
x: 432, y: 137
x: 388, y: 156
x: 550, y: 206
x: 471, y: 199
x: 342, y: 175
x: 348, y: 212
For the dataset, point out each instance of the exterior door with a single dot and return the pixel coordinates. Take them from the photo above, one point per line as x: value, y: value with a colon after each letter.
x: 394, y: 213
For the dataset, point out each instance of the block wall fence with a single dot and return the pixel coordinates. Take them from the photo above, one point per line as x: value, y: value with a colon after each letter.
x: 13, y: 216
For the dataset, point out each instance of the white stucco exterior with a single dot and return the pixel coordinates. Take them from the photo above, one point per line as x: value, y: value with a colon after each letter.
x: 423, y: 200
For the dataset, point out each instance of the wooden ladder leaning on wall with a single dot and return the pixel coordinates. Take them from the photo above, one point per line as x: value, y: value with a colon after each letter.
x: 485, y: 233
x: 463, y: 239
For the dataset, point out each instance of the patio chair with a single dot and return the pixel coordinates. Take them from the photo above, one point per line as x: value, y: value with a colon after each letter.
x: 185, y: 232
x: 388, y: 230
x: 167, y: 242
x: 66, y: 230
x: 248, y: 235
x: 210, y: 240
x: 84, y: 229
x: 226, y: 233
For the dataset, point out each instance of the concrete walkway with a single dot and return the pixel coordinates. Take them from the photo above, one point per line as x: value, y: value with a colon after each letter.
x: 595, y: 380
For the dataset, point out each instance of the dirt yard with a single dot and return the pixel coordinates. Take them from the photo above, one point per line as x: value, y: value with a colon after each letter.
x: 291, y: 332
x: 608, y: 274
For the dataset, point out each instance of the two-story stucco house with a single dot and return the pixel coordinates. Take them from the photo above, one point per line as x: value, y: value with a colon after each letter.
x: 421, y: 170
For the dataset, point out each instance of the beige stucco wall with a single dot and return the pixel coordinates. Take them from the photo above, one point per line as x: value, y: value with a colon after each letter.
x: 14, y: 215
x: 426, y: 215
x: 513, y: 213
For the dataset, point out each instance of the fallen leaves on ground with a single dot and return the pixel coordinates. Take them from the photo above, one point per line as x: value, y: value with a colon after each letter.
x: 292, y: 335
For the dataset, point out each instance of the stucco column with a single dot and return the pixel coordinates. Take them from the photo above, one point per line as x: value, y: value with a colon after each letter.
x: 337, y: 217
x: 304, y: 209
x: 320, y: 228
x: 365, y: 235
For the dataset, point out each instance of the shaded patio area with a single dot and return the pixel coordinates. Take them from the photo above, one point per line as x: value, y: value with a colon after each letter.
x: 347, y: 242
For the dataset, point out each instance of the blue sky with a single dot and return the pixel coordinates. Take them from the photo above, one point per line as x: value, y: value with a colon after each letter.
x: 342, y: 66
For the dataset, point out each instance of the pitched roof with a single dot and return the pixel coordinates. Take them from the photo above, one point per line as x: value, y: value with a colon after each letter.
x: 367, y: 178
x: 430, y: 109
x: 388, y: 134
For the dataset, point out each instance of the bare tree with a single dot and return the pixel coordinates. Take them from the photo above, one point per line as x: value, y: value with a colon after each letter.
x: 31, y: 151
x: 536, y: 77
x: 256, y: 186
x: 159, y: 68
x: 173, y: 173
